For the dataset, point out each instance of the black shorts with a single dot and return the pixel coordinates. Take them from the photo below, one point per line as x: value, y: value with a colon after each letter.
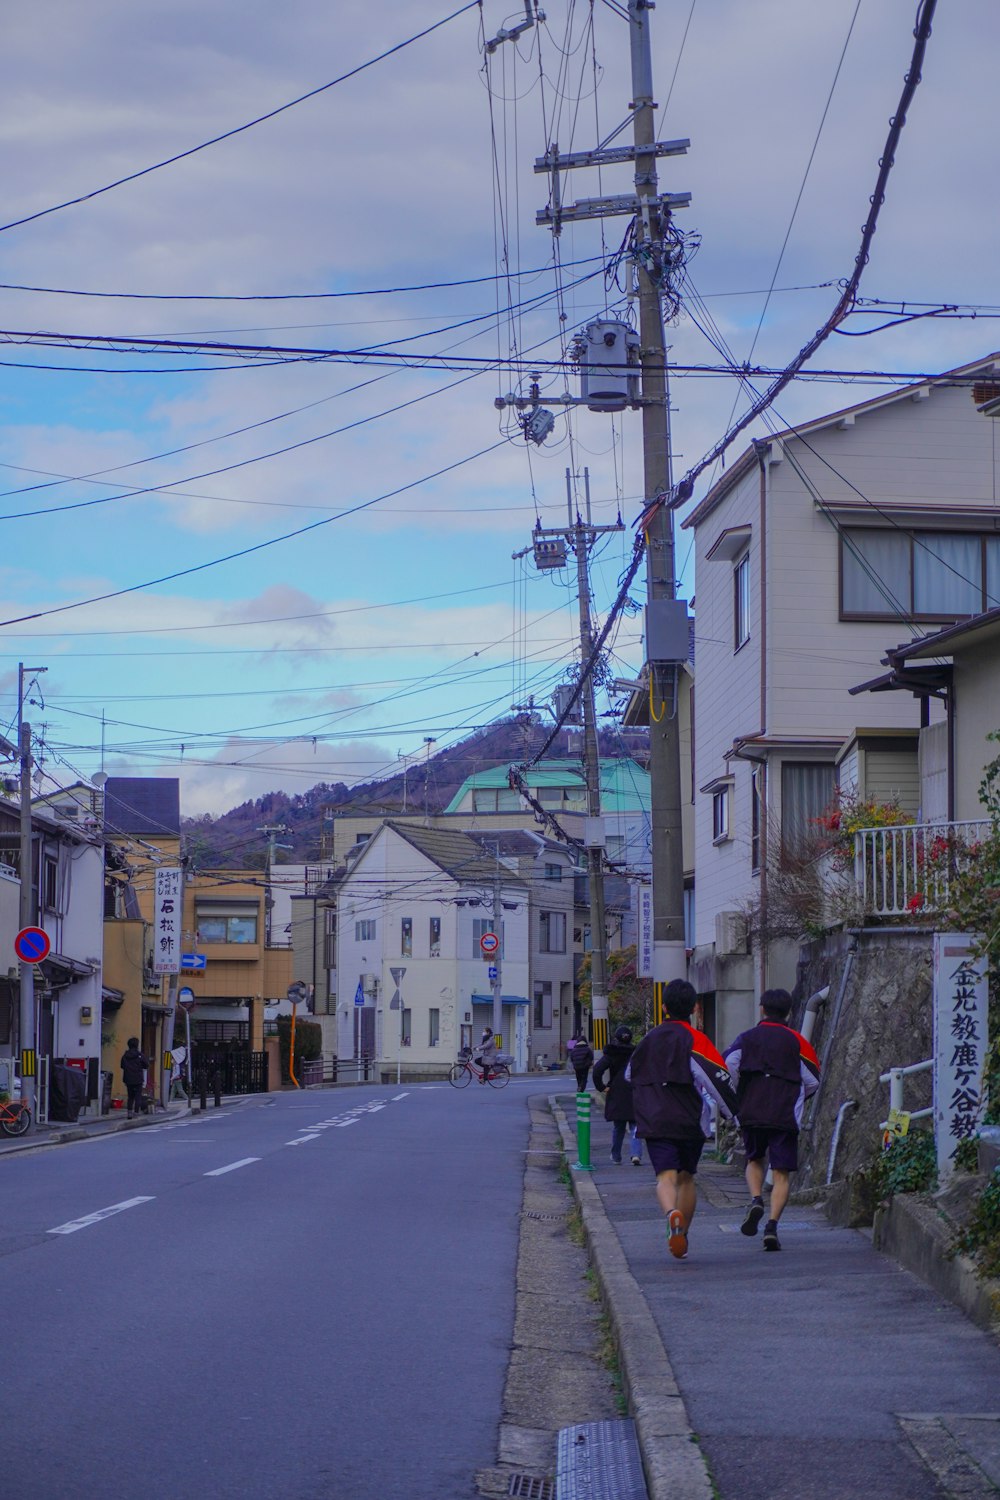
x: 674, y: 1156
x: 780, y: 1146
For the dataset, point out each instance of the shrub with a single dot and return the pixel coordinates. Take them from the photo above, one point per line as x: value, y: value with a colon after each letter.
x: 908, y: 1166
x: 981, y: 1236
x: 308, y: 1041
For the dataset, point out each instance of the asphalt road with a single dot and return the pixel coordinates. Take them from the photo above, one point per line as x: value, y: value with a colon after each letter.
x: 297, y: 1297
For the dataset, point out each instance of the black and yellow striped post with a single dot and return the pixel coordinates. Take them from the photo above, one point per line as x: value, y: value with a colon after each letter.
x: 600, y: 1026
x: 168, y: 1062
x: 29, y: 1063
x: 659, y: 1014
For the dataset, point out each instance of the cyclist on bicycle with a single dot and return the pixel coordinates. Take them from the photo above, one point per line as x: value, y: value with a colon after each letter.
x: 486, y: 1053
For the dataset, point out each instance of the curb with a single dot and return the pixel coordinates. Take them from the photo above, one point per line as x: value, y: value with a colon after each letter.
x: 912, y: 1232
x: 674, y: 1464
x: 80, y: 1133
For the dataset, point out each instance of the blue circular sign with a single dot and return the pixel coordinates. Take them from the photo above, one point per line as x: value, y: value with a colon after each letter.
x: 32, y: 945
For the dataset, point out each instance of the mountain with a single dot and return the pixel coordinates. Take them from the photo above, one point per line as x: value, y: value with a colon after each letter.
x: 232, y: 840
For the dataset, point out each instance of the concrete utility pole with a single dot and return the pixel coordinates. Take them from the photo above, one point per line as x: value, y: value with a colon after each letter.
x: 580, y: 536
x: 496, y: 984
x: 271, y: 832
x: 669, y: 959
x: 27, y: 1025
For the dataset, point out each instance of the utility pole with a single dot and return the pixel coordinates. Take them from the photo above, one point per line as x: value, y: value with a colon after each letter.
x: 580, y: 535
x: 271, y: 832
x: 27, y: 1026
x: 496, y: 983
x: 669, y: 958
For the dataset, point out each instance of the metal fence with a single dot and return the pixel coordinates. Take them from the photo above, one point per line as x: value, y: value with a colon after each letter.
x: 906, y: 869
x: 328, y: 1070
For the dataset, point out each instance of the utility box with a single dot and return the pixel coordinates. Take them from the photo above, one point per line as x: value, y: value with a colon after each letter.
x: 549, y: 552
x: 668, y: 631
x: 608, y: 355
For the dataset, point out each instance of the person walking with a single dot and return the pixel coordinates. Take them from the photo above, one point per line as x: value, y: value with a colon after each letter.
x: 133, y: 1065
x: 581, y: 1057
x: 610, y: 1080
x: 774, y: 1070
x: 676, y: 1074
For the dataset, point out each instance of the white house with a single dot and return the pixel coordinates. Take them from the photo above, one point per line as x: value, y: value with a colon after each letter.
x: 815, y: 548
x: 419, y: 899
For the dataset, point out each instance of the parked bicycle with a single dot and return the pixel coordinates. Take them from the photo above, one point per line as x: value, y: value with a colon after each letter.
x: 496, y: 1074
x: 15, y: 1117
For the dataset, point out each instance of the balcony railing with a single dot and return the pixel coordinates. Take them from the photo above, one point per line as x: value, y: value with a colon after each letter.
x: 905, y: 870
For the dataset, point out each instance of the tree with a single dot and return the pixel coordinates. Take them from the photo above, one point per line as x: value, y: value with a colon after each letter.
x: 630, y: 999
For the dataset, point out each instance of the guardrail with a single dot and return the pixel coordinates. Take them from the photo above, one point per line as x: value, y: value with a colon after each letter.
x: 895, y: 1078
x: 905, y: 869
x: 324, y: 1071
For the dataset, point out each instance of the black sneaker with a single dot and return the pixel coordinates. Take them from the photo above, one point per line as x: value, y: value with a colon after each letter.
x: 753, y: 1217
x: 771, y: 1241
x: 616, y: 1159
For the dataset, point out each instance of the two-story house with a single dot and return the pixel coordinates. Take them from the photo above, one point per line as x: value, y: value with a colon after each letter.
x: 815, y: 547
x: 419, y: 899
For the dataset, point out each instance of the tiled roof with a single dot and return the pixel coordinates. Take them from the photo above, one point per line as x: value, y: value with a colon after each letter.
x: 149, y: 805
x: 455, y: 853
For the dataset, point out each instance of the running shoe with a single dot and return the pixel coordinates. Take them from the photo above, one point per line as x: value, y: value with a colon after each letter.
x: 616, y: 1159
x: 771, y: 1241
x: 753, y: 1217
x: 677, y: 1240
x: 637, y: 1161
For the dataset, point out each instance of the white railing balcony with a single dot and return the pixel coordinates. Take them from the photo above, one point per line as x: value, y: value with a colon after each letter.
x: 905, y: 870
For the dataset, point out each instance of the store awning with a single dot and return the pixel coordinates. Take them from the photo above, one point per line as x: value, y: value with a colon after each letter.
x: 111, y: 999
x: 506, y: 999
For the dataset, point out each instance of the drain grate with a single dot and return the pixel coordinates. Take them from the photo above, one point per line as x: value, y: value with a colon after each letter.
x: 531, y: 1213
x: 529, y: 1487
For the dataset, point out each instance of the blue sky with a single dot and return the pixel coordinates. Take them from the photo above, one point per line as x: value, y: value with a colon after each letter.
x: 299, y: 663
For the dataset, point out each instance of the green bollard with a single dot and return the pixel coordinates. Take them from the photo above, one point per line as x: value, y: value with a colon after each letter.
x: 582, y: 1164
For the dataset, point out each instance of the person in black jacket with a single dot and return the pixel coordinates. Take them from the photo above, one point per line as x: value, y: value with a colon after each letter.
x: 133, y: 1065
x: 774, y: 1070
x: 610, y: 1080
x: 581, y: 1056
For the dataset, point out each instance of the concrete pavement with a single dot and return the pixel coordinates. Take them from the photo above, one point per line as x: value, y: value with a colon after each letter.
x: 821, y: 1373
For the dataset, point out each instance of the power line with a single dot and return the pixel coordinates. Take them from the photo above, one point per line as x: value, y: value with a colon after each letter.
x: 226, y: 135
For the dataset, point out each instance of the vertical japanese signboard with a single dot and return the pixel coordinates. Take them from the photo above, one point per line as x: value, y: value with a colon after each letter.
x: 167, y: 922
x: 644, y: 957
x: 960, y: 1040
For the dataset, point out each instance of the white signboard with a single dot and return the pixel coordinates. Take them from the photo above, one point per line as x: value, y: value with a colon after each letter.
x: 960, y: 1040
x: 167, y: 916
x: 644, y: 956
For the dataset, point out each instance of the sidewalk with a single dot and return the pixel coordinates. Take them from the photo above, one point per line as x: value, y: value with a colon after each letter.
x: 820, y: 1373
x: 59, y: 1134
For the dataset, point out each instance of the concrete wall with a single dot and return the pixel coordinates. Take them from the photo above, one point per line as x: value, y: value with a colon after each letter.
x: 10, y: 896
x: 977, y: 714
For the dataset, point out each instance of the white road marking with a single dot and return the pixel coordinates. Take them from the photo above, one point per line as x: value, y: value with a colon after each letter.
x: 375, y: 1109
x: 300, y: 1140
x: 220, y: 1171
x: 401, y: 1096
x: 341, y: 1123
x: 102, y: 1213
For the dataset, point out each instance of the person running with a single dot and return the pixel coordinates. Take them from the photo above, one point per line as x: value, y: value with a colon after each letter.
x: 774, y: 1070
x: 676, y: 1073
x: 581, y: 1056
x: 610, y: 1079
x: 486, y: 1053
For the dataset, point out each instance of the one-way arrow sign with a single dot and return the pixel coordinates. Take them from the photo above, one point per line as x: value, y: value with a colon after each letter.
x: 396, y: 1002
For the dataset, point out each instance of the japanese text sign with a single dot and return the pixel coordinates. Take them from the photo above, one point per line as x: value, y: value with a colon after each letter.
x: 167, y: 914
x: 644, y: 957
x: 960, y: 1040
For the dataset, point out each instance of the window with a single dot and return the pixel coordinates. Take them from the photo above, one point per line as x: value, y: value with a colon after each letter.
x: 479, y: 926
x: 50, y: 884
x: 806, y: 793
x: 553, y: 872
x: 362, y: 838
x: 720, y: 813
x: 435, y: 937
x: 933, y: 575
x: 232, y: 926
x: 406, y: 1022
x: 741, y: 596
x: 502, y: 799
x: 364, y: 932
x: 552, y: 931
x: 756, y: 815
x: 433, y: 1027
x: 406, y: 937
x: 543, y: 1004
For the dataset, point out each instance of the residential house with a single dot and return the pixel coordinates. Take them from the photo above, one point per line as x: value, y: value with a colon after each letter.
x: 811, y: 545
x: 419, y: 899
x: 67, y: 900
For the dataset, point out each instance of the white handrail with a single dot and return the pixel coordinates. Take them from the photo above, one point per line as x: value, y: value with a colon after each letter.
x: 894, y: 1078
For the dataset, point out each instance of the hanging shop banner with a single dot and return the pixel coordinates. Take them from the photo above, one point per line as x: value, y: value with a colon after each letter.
x: 167, y: 904
x: 960, y: 1042
x: 644, y: 957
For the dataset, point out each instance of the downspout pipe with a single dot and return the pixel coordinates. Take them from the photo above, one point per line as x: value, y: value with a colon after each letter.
x: 835, y: 1141
x: 813, y: 1006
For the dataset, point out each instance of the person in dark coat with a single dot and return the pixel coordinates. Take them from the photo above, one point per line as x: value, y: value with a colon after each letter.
x: 581, y: 1057
x: 610, y: 1080
x: 133, y: 1065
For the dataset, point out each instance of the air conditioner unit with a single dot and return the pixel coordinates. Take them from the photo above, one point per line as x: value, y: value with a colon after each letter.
x: 730, y: 933
x: 369, y: 985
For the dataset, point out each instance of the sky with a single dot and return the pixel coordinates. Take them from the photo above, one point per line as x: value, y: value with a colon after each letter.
x: 400, y: 616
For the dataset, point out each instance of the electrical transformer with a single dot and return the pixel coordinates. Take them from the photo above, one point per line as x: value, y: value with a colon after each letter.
x: 607, y: 353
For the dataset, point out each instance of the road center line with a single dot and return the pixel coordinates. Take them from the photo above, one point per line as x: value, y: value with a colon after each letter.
x: 220, y: 1171
x: 300, y: 1140
x: 341, y: 1123
x: 401, y: 1096
x: 95, y: 1218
